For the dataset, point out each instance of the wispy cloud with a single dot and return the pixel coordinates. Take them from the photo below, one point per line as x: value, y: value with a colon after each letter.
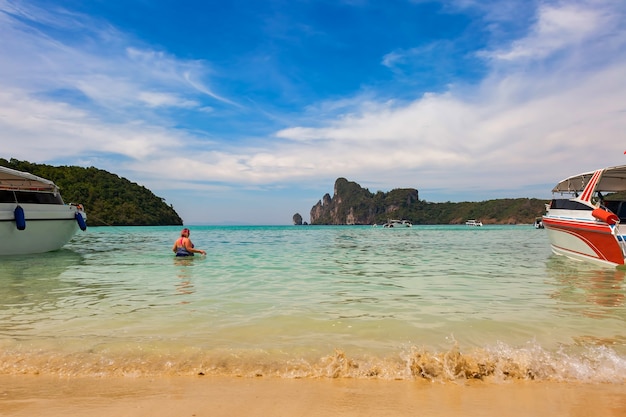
x: 559, y: 27
x: 87, y: 92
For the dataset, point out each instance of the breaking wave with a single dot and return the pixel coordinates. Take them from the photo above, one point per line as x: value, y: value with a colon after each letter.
x: 499, y: 363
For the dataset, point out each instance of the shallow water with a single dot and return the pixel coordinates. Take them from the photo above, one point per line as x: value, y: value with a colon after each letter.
x: 433, y: 302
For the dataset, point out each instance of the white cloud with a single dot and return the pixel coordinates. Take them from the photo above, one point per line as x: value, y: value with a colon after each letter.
x: 37, y: 130
x: 95, y: 61
x: 558, y: 27
x: 165, y: 100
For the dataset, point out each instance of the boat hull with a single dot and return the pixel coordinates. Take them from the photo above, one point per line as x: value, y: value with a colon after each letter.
x: 48, y: 227
x: 585, y: 240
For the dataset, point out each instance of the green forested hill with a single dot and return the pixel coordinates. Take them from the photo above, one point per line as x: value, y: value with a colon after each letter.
x: 108, y: 199
x: 500, y: 211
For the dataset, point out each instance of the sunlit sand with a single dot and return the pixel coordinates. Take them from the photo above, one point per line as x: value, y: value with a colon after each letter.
x: 228, y: 396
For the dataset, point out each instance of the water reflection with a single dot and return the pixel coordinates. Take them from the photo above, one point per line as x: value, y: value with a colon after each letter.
x: 33, y: 278
x: 184, y: 285
x: 599, y: 292
x: 32, y: 284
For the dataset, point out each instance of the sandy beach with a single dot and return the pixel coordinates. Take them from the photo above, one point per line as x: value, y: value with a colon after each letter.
x: 43, y: 396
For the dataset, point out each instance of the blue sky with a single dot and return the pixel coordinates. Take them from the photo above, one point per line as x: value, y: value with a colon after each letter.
x: 248, y: 111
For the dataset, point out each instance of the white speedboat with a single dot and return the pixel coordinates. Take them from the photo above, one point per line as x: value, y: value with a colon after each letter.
x: 473, y: 222
x: 33, y: 216
x: 581, y: 224
x: 398, y: 224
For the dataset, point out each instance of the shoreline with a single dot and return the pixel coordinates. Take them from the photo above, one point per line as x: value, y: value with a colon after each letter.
x: 46, y: 396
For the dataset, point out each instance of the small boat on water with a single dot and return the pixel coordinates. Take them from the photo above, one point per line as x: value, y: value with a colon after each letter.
x: 539, y: 223
x: 33, y: 216
x: 584, y: 221
x: 473, y: 222
x: 398, y: 224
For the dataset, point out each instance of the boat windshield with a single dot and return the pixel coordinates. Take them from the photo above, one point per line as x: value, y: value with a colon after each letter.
x: 30, y: 197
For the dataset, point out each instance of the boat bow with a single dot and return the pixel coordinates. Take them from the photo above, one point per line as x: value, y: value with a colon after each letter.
x: 584, y: 225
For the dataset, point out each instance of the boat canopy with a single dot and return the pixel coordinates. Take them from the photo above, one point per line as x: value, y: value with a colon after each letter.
x: 613, y: 179
x: 11, y: 179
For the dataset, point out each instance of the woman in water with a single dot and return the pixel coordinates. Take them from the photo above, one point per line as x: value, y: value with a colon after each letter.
x: 183, y: 245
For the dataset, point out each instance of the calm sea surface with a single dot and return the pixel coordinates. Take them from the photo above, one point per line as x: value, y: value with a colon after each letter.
x: 433, y: 302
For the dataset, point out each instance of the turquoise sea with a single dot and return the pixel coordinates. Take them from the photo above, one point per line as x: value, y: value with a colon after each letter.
x: 441, y: 303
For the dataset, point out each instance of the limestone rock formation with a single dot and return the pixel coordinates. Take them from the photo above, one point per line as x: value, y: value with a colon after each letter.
x: 352, y: 204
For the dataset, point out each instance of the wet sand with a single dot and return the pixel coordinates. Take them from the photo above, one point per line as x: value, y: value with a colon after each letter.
x: 28, y: 395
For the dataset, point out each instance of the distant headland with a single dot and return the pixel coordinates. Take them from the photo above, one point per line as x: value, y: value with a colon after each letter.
x: 352, y: 204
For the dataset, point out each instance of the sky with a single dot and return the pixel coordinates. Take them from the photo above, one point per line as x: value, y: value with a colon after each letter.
x: 247, y: 111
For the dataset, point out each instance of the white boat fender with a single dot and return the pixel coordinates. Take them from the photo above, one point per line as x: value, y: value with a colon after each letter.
x: 20, y: 219
x: 81, y: 221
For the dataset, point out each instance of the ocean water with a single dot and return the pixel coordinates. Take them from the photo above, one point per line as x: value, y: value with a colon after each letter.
x: 441, y: 303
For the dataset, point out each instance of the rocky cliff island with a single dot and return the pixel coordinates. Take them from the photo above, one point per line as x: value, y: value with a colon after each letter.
x: 352, y: 204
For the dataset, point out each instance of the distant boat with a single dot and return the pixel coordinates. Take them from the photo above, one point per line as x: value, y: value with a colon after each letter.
x: 473, y: 222
x: 539, y: 223
x: 398, y: 224
x: 33, y: 216
x: 583, y: 225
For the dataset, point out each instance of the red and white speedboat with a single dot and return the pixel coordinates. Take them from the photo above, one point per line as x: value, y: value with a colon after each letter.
x: 585, y: 221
